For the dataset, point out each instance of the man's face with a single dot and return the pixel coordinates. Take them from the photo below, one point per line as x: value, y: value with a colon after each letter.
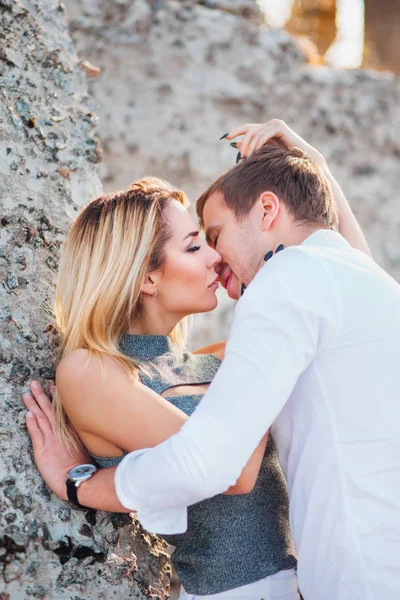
x: 240, y: 243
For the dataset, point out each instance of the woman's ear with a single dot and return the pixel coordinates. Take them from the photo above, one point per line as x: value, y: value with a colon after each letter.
x: 270, y: 208
x: 149, y: 286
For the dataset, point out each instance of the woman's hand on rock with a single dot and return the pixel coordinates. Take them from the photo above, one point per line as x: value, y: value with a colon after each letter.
x: 53, y: 457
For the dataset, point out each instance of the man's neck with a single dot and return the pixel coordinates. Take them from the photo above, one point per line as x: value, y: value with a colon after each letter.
x: 298, y: 235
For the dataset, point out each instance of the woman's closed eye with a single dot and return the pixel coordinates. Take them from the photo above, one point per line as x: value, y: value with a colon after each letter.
x: 193, y: 248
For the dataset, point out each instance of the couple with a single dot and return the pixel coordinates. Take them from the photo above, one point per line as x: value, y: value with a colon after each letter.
x: 312, y: 355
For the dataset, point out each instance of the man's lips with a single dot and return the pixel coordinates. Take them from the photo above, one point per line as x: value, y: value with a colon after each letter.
x: 225, y: 279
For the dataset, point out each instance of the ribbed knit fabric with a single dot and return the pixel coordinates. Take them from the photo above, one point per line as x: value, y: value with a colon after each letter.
x: 231, y: 540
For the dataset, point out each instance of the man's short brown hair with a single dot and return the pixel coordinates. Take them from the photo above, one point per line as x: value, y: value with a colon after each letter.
x: 287, y: 172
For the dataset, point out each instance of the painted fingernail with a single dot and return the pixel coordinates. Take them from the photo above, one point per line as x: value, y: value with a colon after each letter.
x: 268, y: 255
x: 242, y: 289
x: 239, y: 156
x: 224, y: 136
x: 279, y: 248
x: 233, y: 144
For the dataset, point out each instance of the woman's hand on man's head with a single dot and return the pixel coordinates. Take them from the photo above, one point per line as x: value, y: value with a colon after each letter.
x: 255, y: 135
x: 52, y: 457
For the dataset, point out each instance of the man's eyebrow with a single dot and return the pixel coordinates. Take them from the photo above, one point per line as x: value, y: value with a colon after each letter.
x: 191, y: 234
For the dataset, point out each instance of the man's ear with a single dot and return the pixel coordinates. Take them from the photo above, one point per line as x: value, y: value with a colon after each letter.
x: 149, y: 285
x: 269, y: 203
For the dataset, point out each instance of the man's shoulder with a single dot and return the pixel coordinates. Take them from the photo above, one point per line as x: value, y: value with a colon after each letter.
x: 291, y: 264
x: 296, y: 275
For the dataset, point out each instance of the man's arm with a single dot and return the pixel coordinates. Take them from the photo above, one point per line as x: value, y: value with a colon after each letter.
x: 54, y: 459
x: 280, y: 321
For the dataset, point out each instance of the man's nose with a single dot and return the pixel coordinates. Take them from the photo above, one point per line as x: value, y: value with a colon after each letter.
x: 220, y: 267
x: 215, y: 260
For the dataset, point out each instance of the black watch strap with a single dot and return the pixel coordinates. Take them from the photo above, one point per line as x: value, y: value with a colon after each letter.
x: 72, y: 493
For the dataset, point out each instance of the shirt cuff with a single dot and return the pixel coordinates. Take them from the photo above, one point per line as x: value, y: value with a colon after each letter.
x: 151, y: 514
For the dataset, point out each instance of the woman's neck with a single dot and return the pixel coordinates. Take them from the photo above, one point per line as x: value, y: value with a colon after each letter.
x: 153, y: 324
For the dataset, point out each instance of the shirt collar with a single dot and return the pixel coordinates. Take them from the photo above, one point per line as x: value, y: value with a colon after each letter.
x: 325, y: 237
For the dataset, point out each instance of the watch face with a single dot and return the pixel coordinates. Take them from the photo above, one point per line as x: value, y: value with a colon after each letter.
x: 82, y: 472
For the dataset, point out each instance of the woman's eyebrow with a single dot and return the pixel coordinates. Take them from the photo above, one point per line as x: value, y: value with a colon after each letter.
x: 191, y: 234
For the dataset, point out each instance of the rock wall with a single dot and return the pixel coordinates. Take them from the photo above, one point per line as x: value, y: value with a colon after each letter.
x: 48, y: 152
x: 177, y: 75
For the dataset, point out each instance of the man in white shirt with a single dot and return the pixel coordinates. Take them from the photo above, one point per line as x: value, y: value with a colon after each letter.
x: 313, y: 354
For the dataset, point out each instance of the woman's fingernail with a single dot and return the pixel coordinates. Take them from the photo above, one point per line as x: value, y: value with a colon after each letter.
x: 268, y: 255
x: 27, y: 395
x: 239, y: 156
x: 30, y: 415
x: 233, y: 144
x: 279, y: 248
x: 224, y: 136
x: 242, y: 289
x: 35, y: 384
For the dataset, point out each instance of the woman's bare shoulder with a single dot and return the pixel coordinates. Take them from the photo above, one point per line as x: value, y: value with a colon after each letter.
x: 82, y: 362
x: 80, y: 371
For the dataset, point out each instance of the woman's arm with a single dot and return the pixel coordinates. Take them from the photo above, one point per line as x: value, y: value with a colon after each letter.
x: 348, y: 224
x: 108, y: 404
x: 218, y: 349
x: 132, y: 420
x: 103, y: 401
x: 256, y: 135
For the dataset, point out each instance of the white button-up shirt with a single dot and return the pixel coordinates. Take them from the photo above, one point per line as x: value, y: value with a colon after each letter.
x: 315, y: 352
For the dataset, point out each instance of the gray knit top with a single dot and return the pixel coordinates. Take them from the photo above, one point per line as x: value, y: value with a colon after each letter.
x: 230, y: 540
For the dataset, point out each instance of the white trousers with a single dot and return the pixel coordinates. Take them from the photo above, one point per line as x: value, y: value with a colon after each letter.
x: 281, y: 586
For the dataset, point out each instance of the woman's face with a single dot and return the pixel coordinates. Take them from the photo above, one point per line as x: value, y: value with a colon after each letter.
x: 186, y: 282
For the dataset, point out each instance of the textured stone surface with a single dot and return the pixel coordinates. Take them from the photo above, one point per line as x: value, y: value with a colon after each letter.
x: 48, y: 151
x: 177, y: 75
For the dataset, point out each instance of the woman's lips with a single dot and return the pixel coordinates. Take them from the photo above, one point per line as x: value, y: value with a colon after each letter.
x: 214, y: 284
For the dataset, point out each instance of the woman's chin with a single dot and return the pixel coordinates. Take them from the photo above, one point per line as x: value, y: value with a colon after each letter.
x: 208, y: 306
x: 213, y: 304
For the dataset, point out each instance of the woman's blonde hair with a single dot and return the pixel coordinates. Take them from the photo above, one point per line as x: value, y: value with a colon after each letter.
x: 114, y: 242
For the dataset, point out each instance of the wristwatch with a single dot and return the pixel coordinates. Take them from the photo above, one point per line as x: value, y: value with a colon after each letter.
x: 75, y: 478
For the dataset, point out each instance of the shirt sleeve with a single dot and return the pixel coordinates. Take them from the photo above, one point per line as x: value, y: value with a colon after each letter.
x: 278, y: 326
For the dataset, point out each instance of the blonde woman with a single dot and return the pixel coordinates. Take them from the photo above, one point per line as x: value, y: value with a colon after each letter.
x: 133, y: 268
